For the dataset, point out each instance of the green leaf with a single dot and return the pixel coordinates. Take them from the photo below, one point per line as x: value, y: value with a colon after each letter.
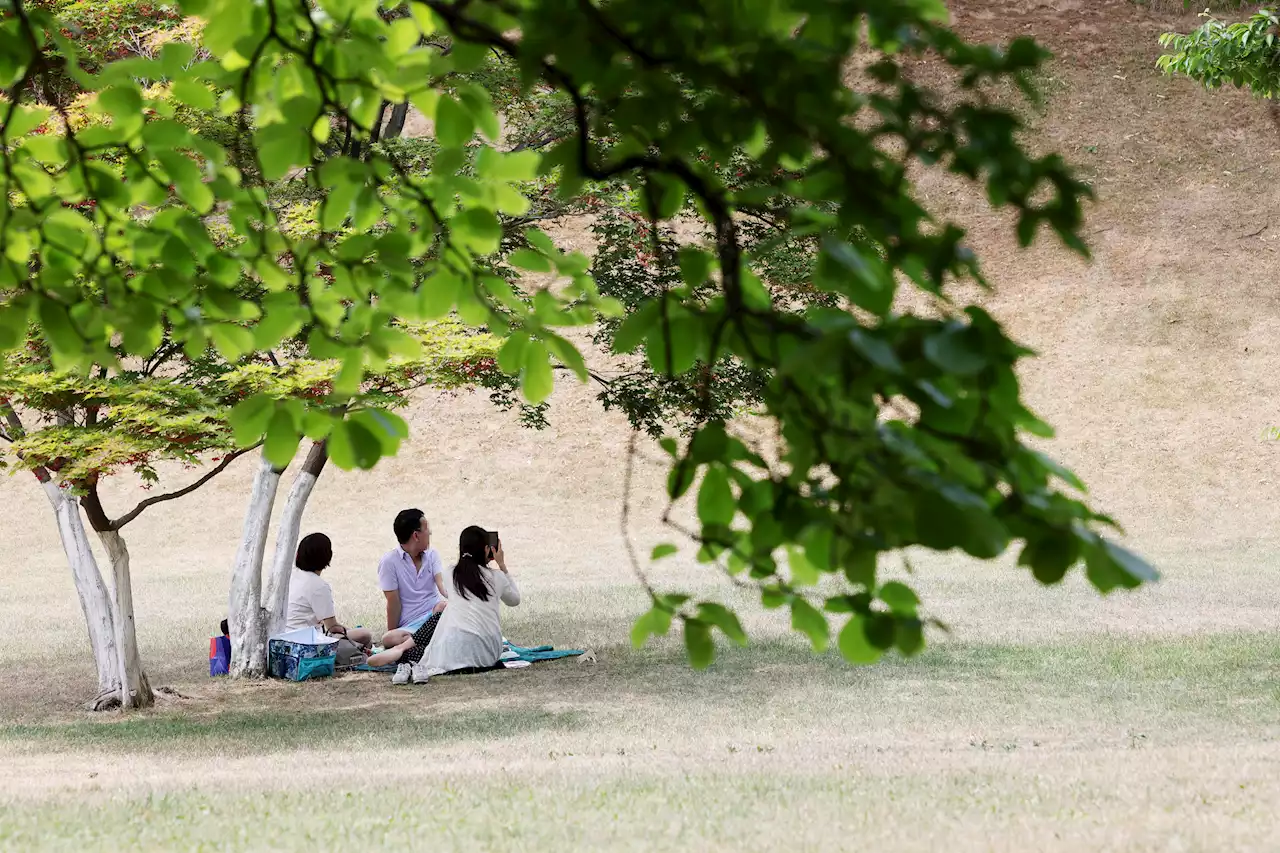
x: 24, y: 119
x: 956, y: 349
x: 803, y: 573
x: 57, y: 328
x: 959, y: 519
x: 724, y: 619
x: 1111, y: 565
x: 282, y: 439
x: 672, y: 347
x: 697, y: 639
x: 281, y: 147
x: 193, y: 94
x: 541, y: 242
x: 353, y: 445
x: 13, y: 323
x: 124, y: 103
x: 527, y: 259
x: 437, y: 295
x: 568, y: 355
x: 517, y: 166
x: 185, y: 176
x: 1050, y: 556
x: 900, y: 598
x: 663, y: 550
x: 511, y: 356
x: 231, y: 340
x: 853, y: 643
x: 668, y: 193
x: 695, y: 265
x: 477, y: 229
x: 454, y: 124
x: 537, y: 381
x: 809, y: 620
x: 165, y: 133
x: 716, y: 505
x: 249, y: 418
x: 865, y: 279
x: 910, y: 636
x: 316, y: 425
x: 637, y: 325
x: 652, y: 623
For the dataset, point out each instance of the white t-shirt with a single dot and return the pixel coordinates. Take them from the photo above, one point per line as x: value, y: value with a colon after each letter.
x: 470, y: 631
x: 310, y: 601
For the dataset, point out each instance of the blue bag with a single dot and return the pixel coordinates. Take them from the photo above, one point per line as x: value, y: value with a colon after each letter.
x: 219, y: 655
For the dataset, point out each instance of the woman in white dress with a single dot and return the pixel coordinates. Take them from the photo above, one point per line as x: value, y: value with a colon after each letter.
x: 468, y: 637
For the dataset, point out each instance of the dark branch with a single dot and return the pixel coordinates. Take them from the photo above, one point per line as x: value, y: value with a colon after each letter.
x: 169, y: 496
x: 16, y: 431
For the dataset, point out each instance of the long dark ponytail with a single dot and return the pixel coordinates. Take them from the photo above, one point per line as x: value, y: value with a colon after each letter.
x: 468, y: 575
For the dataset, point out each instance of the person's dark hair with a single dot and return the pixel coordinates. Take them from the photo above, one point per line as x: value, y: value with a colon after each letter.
x: 315, y: 552
x: 468, y: 575
x: 407, y: 523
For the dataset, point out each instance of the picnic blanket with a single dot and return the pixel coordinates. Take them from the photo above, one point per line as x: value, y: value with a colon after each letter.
x: 529, y: 654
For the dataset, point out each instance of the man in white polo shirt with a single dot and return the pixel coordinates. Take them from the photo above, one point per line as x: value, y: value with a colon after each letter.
x: 411, y: 578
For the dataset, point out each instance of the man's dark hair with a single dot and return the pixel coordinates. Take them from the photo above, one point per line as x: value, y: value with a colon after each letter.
x: 407, y: 523
x: 315, y: 552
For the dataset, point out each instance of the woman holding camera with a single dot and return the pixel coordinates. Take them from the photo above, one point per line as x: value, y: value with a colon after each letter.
x: 468, y: 636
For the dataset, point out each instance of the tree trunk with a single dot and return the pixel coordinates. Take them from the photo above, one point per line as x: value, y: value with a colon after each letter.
x: 375, y: 133
x: 94, y: 598
x: 136, y: 689
x: 395, y: 125
x: 245, y: 617
x: 277, y: 597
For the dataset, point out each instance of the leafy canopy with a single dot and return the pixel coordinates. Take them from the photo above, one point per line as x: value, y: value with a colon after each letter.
x: 1244, y: 54
x: 896, y: 430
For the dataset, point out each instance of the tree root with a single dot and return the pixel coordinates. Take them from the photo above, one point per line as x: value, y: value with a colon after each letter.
x: 105, y: 701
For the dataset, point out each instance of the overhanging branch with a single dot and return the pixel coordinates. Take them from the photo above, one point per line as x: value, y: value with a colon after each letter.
x: 169, y: 496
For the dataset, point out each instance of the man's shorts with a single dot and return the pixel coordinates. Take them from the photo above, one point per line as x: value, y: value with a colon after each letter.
x: 412, y: 627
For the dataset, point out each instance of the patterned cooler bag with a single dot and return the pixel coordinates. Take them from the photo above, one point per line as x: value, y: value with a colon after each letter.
x: 302, y: 654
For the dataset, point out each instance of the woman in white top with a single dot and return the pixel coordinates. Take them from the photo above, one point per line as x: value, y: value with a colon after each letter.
x: 469, y: 634
x: 311, y: 604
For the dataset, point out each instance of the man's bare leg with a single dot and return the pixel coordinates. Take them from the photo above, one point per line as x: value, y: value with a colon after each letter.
x: 395, y: 643
x: 395, y: 637
x: 360, y: 636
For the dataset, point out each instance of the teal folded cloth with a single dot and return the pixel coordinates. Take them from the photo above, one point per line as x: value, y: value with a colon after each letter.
x: 532, y: 654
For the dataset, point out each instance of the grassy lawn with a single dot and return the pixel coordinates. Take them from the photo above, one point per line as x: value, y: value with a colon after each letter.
x: 1105, y: 743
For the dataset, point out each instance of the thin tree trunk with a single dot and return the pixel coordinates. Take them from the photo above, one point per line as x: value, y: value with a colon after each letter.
x: 277, y: 597
x: 95, y: 602
x: 395, y: 125
x: 94, y: 598
x: 136, y: 689
x: 375, y: 132
x: 245, y: 617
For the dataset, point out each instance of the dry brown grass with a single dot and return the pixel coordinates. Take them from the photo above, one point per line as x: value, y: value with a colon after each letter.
x: 1050, y: 720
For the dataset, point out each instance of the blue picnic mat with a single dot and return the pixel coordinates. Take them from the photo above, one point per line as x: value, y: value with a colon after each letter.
x: 532, y: 654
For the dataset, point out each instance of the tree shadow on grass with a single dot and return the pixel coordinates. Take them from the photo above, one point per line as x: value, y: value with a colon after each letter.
x: 275, y: 730
x: 1209, y: 670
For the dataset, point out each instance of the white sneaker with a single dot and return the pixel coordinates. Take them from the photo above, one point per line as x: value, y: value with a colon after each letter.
x: 420, y: 674
x: 402, y: 674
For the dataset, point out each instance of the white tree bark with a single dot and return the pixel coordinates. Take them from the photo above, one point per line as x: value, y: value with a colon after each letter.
x: 135, y: 689
x: 94, y: 598
x: 277, y: 596
x: 245, y: 617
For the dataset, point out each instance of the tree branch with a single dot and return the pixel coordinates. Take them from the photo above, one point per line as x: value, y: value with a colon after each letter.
x: 16, y: 431
x: 169, y: 496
